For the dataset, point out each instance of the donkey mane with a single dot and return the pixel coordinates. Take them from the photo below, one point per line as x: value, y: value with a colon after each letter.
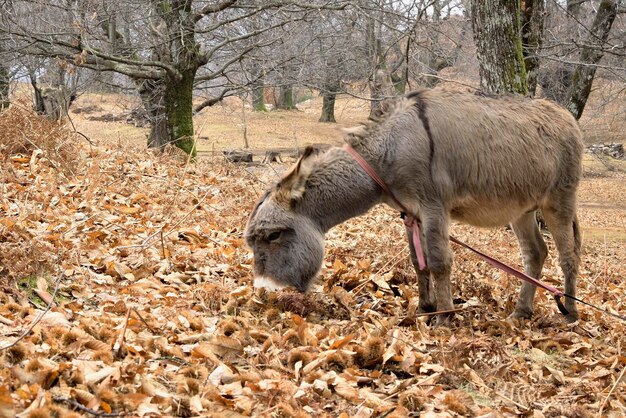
x: 389, y: 110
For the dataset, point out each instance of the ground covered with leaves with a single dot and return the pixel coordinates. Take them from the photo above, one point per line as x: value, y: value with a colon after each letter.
x: 126, y: 290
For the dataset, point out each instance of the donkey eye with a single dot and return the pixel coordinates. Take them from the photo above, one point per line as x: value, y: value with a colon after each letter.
x: 274, y: 236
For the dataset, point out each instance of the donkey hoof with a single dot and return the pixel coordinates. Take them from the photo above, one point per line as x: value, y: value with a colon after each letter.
x: 572, y: 316
x: 441, y: 320
x: 520, y: 315
x: 426, y: 308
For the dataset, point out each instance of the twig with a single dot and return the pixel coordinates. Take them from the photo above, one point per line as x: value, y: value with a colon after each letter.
x: 439, y: 312
x: 117, y: 347
x: 39, y: 318
x: 163, y: 245
x: 81, y: 407
x: 77, y: 131
x: 422, y: 382
x: 495, y: 392
x: 179, y: 361
x: 5, y: 321
x: 144, y: 321
x: 611, y: 391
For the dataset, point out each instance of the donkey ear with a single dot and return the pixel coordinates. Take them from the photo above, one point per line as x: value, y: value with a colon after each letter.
x: 291, y: 186
x: 354, y: 134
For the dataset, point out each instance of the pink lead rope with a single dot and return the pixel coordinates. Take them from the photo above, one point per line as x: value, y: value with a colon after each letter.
x: 411, y: 222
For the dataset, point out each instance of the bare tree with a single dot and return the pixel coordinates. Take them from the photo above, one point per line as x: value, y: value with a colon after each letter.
x: 335, y: 59
x: 4, y: 87
x: 590, y: 55
x: 586, y: 38
x: 4, y: 79
x: 167, y: 47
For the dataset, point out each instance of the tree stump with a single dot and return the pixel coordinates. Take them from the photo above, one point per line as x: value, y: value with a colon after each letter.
x: 272, y: 157
x: 238, y: 156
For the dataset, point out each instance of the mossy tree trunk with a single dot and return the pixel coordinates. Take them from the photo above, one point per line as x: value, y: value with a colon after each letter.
x: 168, y: 104
x: 168, y: 99
x: 179, y: 111
x: 258, y: 91
x: 532, y: 24
x: 573, y: 7
x: 285, y: 98
x: 328, y: 108
x: 496, y: 26
x: 4, y: 87
x: 591, y: 54
x: 258, y: 97
x: 399, y: 83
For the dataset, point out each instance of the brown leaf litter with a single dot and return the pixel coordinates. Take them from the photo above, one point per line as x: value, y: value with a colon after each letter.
x: 155, y: 313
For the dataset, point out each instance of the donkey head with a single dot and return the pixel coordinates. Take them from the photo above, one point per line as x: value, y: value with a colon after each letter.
x: 287, y: 244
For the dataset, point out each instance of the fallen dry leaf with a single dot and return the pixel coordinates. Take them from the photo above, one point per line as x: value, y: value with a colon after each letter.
x: 149, y: 235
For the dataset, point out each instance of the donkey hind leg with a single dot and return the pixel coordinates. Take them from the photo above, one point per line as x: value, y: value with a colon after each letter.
x: 439, y: 259
x: 534, y: 253
x: 563, y: 224
x: 427, y: 301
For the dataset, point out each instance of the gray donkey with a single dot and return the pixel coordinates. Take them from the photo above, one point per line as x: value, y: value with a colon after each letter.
x: 445, y: 155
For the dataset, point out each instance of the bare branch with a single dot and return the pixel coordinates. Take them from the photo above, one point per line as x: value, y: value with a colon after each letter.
x: 212, y: 101
x: 213, y: 8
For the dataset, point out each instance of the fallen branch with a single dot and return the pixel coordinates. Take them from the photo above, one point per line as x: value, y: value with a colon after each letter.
x: 5, y: 321
x: 439, y: 312
x: 611, y: 391
x: 83, y: 408
x: 144, y: 321
x: 117, y: 347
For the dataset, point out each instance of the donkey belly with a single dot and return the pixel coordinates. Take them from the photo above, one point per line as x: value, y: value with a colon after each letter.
x: 490, y: 214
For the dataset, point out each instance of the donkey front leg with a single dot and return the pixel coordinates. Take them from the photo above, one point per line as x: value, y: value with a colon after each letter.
x: 439, y: 259
x: 427, y: 302
x: 534, y: 253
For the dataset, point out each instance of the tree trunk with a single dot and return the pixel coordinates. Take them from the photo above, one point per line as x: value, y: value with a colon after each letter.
x: 328, y: 108
x: 573, y: 7
x: 56, y: 102
x: 152, y: 95
x: 38, y: 104
x: 168, y: 104
x: 4, y: 87
x: 329, y: 95
x: 379, y: 80
x: 399, y: 83
x: 532, y: 15
x: 591, y: 53
x: 432, y: 63
x: 258, y: 90
x: 496, y: 25
x: 258, y: 97
x: 285, y: 98
x: 179, y: 110
x: 380, y: 88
